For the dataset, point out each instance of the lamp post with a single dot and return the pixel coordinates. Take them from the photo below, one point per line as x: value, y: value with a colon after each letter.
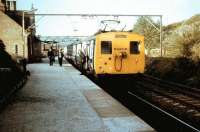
x: 23, y: 23
x: 159, y: 30
x: 23, y: 28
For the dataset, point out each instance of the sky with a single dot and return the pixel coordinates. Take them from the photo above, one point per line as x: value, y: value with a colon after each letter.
x: 172, y: 11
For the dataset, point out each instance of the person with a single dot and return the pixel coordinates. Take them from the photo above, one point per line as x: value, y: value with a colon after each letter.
x: 51, y: 57
x: 60, y: 57
x: 24, y: 63
x: 82, y: 61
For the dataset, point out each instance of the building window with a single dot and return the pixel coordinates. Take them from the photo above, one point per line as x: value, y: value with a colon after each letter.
x: 106, y: 47
x: 16, y: 49
x: 134, y: 47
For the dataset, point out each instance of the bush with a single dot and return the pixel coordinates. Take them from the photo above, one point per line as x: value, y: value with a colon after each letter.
x: 188, y: 38
x: 180, y: 70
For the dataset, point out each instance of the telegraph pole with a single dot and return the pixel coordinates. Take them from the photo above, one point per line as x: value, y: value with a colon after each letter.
x: 161, y: 46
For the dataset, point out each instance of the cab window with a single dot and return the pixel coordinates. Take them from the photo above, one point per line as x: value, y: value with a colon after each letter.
x: 134, y: 47
x: 106, y: 47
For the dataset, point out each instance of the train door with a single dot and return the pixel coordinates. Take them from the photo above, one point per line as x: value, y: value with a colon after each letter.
x: 136, y: 56
x: 78, y: 53
x: 84, y: 54
x: 91, y: 55
x: 74, y: 53
x: 69, y: 51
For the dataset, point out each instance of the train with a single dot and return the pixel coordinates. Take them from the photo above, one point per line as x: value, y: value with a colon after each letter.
x: 109, y: 53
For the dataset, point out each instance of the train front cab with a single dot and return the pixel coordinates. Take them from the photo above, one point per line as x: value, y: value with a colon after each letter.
x: 119, y: 53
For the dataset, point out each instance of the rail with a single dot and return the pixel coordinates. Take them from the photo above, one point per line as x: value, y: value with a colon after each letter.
x: 178, y: 100
x: 181, y: 125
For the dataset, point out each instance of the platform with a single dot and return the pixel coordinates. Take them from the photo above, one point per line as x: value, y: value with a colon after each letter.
x: 59, y: 99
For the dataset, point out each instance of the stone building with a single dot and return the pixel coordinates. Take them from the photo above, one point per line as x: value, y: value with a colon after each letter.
x: 33, y: 45
x: 11, y: 35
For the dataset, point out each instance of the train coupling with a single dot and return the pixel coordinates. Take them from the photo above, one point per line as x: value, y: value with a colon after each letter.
x: 122, y: 55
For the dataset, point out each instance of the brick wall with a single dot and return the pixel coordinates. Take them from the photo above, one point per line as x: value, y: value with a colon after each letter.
x: 11, y: 34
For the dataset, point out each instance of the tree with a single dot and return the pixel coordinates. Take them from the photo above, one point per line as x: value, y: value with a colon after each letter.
x: 151, y: 35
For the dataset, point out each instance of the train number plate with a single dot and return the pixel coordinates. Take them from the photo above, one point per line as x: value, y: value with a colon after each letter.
x: 120, y: 36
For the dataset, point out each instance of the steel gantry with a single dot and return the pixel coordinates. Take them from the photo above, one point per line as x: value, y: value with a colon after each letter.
x: 159, y: 29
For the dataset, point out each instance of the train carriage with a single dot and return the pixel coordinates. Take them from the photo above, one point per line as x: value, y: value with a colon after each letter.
x: 112, y: 53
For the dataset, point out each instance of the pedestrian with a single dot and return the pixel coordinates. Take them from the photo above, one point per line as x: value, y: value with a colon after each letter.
x: 24, y: 63
x: 83, y: 61
x: 51, y: 57
x: 60, y: 57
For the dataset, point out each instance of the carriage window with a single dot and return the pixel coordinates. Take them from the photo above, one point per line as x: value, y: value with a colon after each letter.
x: 134, y: 47
x: 106, y: 47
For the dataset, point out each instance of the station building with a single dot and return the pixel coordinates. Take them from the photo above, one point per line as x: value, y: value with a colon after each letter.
x: 19, y: 44
x: 11, y: 35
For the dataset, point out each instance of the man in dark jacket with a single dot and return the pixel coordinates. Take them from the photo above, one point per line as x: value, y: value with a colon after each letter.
x: 60, y: 57
x: 51, y: 57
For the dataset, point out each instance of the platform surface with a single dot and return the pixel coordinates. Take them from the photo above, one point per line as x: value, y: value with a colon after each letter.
x: 59, y: 99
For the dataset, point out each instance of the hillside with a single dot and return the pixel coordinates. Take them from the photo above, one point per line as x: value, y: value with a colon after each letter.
x: 181, y: 38
x: 175, y: 26
x: 181, y: 61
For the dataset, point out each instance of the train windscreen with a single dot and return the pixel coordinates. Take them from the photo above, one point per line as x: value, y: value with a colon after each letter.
x: 134, y: 47
x: 106, y: 47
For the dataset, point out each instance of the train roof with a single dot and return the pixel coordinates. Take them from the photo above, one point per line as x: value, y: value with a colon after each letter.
x: 119, y: 33
x: 106, y: 32
x: 115, y: 31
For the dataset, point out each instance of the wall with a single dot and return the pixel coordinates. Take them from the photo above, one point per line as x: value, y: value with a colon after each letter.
x: 11, y: 34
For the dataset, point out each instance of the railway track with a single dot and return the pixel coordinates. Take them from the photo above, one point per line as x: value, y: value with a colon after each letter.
x: 166, y: 106
x: 179, y: 101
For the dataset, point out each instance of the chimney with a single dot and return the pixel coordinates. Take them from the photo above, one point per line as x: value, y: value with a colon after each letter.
x: 11, y: 5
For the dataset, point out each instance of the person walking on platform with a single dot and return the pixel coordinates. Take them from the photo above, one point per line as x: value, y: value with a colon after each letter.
x: 51, y: 57
x: 60, y: 57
